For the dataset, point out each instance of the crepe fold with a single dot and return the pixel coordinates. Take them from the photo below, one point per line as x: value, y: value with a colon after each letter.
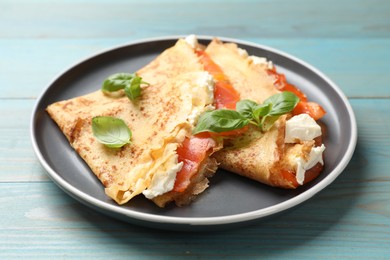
x: 159, y: 124
x: 263, y: 157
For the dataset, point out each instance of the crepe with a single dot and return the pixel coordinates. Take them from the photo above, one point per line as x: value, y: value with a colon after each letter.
x: 160, y: 121
x: 264, y: 157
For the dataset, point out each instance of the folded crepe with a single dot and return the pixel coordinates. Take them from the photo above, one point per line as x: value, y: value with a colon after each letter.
x: 156, y: 162
x: 284, y: 156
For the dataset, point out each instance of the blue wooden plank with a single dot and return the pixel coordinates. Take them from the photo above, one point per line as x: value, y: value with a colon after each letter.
x: 359, y: 67
x: 28, y: 66
x: 17, y: 160
x: 337, y: 223
x: 264, y: 18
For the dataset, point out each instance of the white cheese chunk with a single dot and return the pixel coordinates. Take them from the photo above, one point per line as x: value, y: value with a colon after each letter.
x: 200, y: 93
x: 243, y: 53
x: 301, y: 128
x: 202, y: 96
x: 162, y: 182
x: 192, y: 41
x: 315, y: 157
x: 206, y: 82
x: 261, y: 61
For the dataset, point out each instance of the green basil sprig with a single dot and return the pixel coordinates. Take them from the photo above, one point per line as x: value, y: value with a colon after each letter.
x: 247, y: 112
x: 130, y: 82
x: 221, y: 120
x: 110, y: 131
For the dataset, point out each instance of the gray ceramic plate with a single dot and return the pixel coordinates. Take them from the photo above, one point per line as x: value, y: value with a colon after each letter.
x: 231, y: 200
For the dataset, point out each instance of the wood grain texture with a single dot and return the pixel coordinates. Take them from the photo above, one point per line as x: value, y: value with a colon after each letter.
x: 337, y: 223
x: 139, y: 19
x: 17, y: 159
x: 359, y: 67
x: 348, y: 40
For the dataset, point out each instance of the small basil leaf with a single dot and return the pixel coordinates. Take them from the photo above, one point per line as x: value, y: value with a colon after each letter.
x: 246, y: 108
x: 131, y: 83
x: 262, y: 110
x: 219, y: 121
x: 282, y: 103
x: 116, y: 82
x: 133, y: 88
x: 110, y: 131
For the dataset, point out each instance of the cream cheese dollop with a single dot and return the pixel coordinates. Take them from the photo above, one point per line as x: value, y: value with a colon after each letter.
x: 255, y: 59
x: 163, y: 182
x: 301, y: 128
x: 262, y: 61
x: 202, y: 96
x: 315, y: 157
x: 192, y: 41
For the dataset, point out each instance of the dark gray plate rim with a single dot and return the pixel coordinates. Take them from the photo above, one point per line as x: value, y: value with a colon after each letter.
x: 215, y: 209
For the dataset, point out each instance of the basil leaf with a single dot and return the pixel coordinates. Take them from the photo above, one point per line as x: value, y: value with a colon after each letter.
x: 253, y: 111
x: 262, y: 110
x: 282, y: 103
x: 117, y: 81
x: 246, y: 108
x: 131, y: 83
x: 247, y: 111
x: 133, y: 88
x: 221, y: 120
x: 110, y: 131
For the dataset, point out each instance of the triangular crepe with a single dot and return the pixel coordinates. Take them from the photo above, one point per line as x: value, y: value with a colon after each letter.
x: 264, y: 157
x: 159, y: 121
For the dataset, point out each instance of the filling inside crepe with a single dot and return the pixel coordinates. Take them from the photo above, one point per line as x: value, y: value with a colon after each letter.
x: 166, y: 159
x: 291, y: 152
x: 163, y: 160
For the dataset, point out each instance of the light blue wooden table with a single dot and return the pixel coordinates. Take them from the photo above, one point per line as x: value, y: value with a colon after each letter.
x: 347, y: 40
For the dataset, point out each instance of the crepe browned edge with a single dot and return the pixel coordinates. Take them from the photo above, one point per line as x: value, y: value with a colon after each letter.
x: 260, y: 156
x: 157, y: 118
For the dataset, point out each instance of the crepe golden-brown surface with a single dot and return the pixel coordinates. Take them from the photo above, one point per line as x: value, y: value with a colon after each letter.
x: 260, y: 156
x: 158, y: 121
